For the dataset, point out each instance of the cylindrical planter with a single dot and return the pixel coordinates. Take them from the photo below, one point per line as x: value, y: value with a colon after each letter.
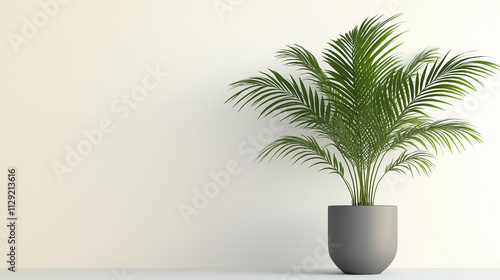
x: 362, y: 239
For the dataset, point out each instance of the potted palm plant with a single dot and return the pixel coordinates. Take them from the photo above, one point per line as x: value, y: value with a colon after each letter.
x: 368, y: 114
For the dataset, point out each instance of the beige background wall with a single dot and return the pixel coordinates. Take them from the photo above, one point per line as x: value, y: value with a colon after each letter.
x: 125, y: 99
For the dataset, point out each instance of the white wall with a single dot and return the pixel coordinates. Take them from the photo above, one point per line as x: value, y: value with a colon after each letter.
x: 119, y: 206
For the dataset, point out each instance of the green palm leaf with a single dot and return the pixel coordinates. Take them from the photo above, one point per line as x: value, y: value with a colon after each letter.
x: 302, y: 150
x: 445, y: 133
x: 418, y: 161
x: 278, y: 95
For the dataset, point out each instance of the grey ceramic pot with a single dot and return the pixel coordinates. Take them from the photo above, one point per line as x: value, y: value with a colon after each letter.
x: 362, y: 239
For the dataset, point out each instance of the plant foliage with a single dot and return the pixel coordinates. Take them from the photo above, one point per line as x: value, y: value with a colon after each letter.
x: 368, y: 105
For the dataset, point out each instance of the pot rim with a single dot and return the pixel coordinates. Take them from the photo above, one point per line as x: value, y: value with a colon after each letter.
x: 362, y: 206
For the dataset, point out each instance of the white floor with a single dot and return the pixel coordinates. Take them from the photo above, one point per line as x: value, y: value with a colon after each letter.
x: 156, y: 274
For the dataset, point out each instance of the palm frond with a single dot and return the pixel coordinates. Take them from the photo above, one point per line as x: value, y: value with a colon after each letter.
x: 418, y: 161
x: 366, y: 104
x: 441, y: 82
x: 446, y: 133
x: 428, y: 55
x: 276, y: 95
x: 302, y: 150
x: 305, y: 61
